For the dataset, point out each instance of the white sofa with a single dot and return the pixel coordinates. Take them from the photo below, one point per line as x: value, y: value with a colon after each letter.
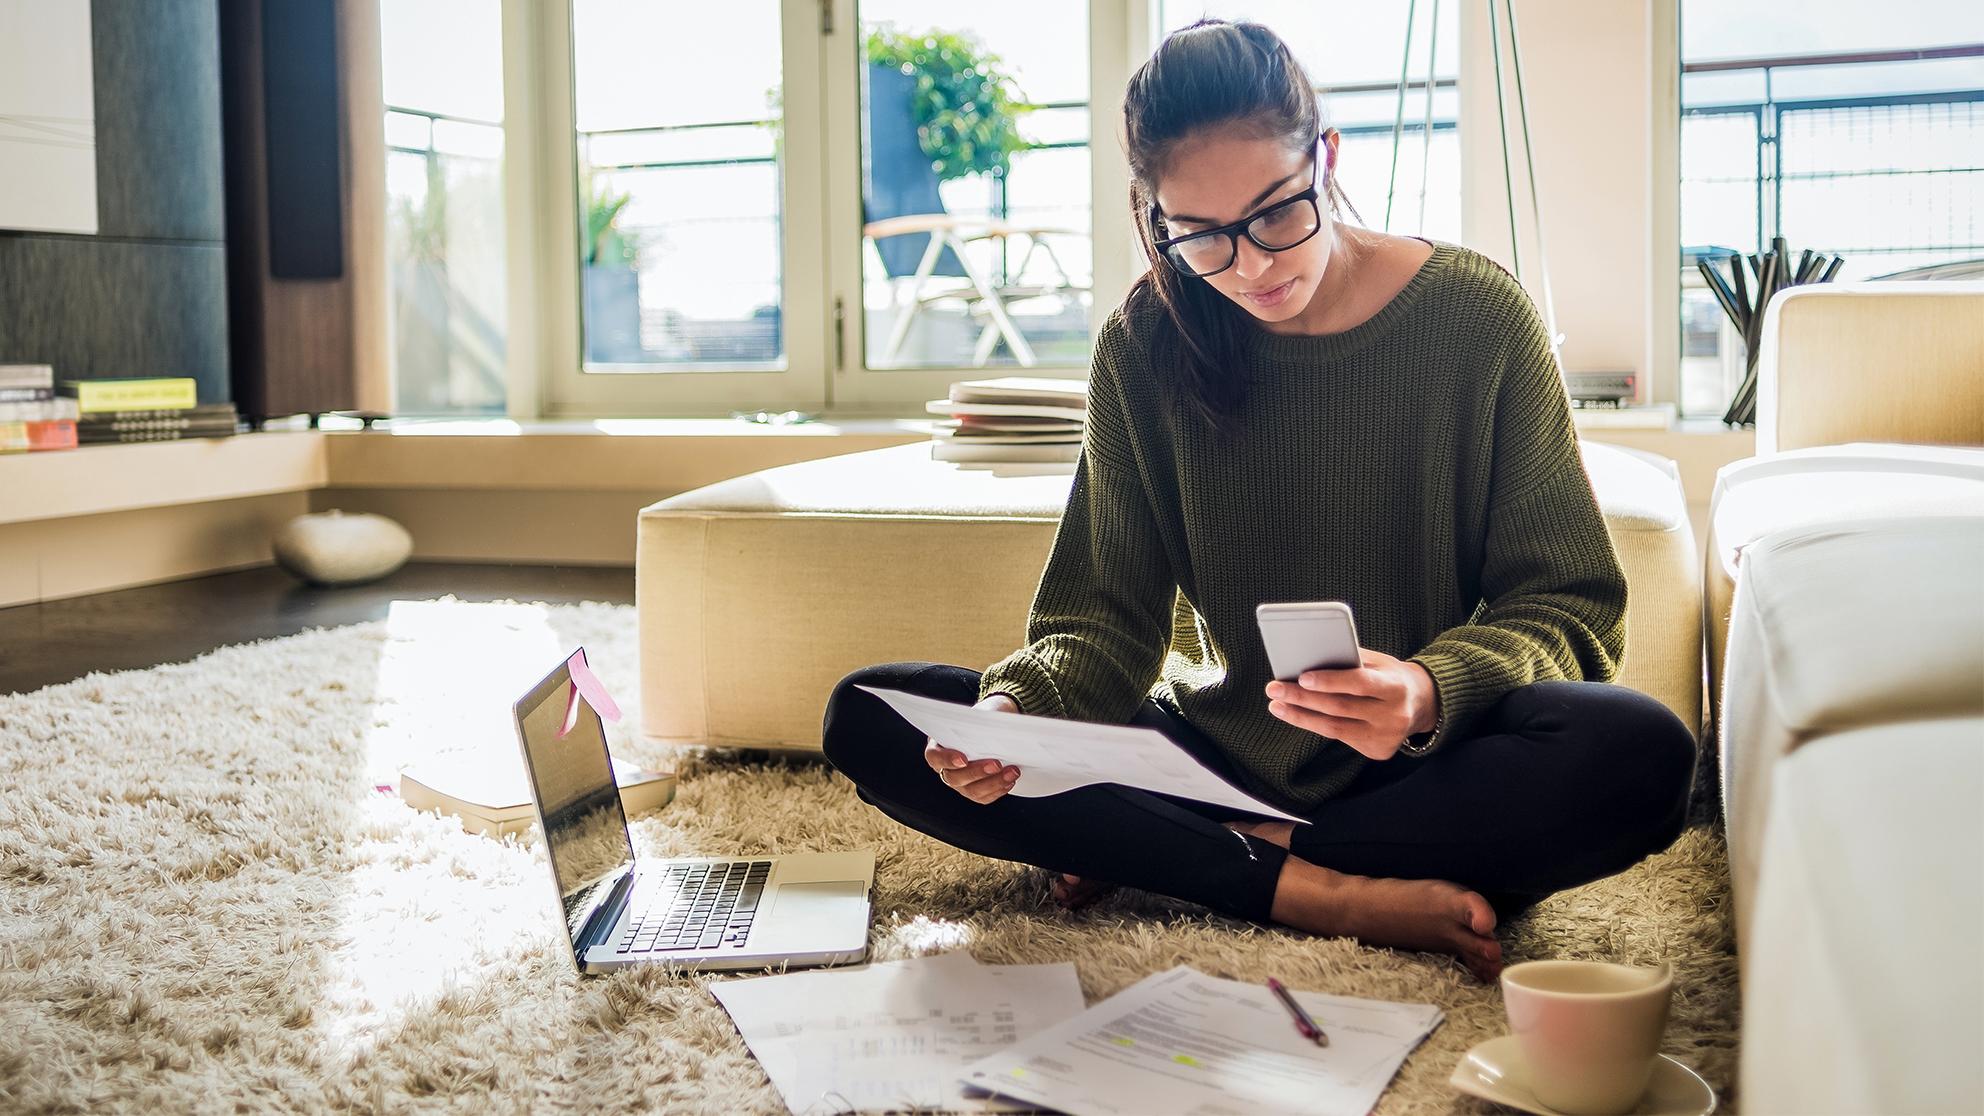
x: 1846, y: 642
x: 757, y: 594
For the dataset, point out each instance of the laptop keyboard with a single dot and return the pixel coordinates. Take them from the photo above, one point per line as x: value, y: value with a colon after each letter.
x: 698, y: 907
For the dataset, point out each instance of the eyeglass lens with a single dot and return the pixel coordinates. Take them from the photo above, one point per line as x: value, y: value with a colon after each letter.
x: 1280, y: 228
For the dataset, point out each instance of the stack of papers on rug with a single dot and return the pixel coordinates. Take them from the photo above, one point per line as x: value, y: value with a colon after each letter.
x: 1014, y: 421
x: 895, y: 1035
x: 1183, y: 1041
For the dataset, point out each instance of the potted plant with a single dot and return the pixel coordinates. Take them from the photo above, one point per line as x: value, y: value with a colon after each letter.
x: 966, y: 107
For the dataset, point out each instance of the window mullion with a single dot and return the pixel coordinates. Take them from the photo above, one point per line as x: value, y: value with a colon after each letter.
x: 840, y: 193
x: 544, y: 247
x: 1120, y: 37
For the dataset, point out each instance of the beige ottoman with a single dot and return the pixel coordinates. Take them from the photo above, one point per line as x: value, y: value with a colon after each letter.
x: 757, y: 594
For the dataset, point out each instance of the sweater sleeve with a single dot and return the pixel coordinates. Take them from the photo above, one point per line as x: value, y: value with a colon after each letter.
x: 1100, y: 622
x: 1553, y: 597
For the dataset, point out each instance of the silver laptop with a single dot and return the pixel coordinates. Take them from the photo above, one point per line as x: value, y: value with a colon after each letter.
x: 747, y: 913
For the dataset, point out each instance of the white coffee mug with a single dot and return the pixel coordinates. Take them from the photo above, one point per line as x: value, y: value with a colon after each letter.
x: 1589, y: 1030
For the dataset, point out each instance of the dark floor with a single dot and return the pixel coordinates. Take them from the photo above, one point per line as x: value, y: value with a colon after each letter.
x: 132, y: 629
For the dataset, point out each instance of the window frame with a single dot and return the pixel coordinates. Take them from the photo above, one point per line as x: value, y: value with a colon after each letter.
x: 824, y: 327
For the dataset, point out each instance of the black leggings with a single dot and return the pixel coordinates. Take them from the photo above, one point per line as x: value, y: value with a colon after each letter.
x: 1564, y: 783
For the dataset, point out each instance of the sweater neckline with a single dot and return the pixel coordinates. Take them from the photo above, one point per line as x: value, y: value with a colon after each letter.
x: 1308, y: 348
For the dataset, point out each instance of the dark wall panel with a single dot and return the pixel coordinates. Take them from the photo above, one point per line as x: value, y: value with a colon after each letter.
x: 300, y: 139
x: 158, y: 139
x: 292, y: 337
x: 148, y: 295
x: 97, y: 308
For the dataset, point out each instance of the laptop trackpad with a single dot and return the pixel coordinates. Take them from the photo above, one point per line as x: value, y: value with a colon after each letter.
x: 816, y: 900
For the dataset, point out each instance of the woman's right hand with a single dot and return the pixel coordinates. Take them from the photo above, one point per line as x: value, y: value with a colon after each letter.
x: 982, y: 781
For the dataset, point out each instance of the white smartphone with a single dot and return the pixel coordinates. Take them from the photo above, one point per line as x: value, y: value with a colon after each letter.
x: 1315, y: 635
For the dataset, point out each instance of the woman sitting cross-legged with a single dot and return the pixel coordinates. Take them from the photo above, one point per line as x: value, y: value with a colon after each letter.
x: 1288, y: 407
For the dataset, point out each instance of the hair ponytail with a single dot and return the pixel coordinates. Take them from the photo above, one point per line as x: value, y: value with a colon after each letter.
x: 1213, y: 73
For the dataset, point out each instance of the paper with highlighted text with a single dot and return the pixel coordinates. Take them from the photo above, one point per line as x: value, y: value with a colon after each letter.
x: 1187, y: 1043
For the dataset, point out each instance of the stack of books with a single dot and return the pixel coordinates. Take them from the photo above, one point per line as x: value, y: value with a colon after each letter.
x: 494, y: 799
x: 32, y: 418
x: 158, y: 410
x: 1017, y: 424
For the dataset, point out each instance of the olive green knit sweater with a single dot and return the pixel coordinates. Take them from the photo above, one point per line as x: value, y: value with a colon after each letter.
x: 1421, y: 466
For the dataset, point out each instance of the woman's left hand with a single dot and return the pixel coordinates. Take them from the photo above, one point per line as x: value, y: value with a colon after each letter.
x: 1373, y: 708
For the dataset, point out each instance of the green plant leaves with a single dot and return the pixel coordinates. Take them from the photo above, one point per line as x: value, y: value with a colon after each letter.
x: 967, y: 109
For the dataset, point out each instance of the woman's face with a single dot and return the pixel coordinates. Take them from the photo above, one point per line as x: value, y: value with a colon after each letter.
x: 1220, y: 176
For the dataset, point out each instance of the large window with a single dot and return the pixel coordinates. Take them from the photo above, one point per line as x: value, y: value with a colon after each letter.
x: 678, y: 193
x: 443, y: 71
x: 771, y: 205
x: 804, y: 204
x: 1355, y: 54
x: 1840, y: 134
x: 975, y: 184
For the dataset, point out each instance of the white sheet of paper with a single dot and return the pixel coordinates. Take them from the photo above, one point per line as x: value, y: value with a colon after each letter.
x: 895, y: 1034
x: 1184, y: 1042
x: 1056, y: 755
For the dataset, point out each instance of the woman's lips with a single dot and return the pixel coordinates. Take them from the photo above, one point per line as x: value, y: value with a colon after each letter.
x: 1270, y: 298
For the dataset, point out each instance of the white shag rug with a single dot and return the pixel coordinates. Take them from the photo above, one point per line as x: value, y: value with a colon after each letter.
x: 205, y: 905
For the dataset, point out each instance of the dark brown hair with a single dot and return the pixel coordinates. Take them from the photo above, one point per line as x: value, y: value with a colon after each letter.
x: 1211, y: 74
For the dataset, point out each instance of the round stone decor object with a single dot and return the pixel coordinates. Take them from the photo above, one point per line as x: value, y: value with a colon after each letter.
x: 332, y: 548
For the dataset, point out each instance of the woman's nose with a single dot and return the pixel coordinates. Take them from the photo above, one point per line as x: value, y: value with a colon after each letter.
x: 1250, y: 260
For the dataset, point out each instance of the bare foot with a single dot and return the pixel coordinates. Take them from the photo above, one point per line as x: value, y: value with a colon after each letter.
x: 1431, y: 915
x: 1073, y: 892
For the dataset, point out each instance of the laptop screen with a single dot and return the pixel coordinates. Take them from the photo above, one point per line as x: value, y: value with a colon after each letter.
x: 585, y: 829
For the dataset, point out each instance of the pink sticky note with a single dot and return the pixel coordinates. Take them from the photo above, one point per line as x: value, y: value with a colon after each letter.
x: 586, y: 684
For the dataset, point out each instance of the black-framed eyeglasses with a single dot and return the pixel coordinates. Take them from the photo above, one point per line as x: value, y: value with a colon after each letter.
x: 1277, y: 228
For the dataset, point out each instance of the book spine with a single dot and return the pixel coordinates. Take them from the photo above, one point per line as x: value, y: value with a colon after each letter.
x: 33, y: 437
x: 12, y: 394
x: 203, y: 411
x: 126, y: 395
x: 124, y: 437
x: 52, y: 434
x: 27, y: 376
x: 46, y: 410
x: 154, y: 424
x: 170, y: 420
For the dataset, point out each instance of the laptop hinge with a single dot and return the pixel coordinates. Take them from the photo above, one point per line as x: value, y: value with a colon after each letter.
x: 599, y: 924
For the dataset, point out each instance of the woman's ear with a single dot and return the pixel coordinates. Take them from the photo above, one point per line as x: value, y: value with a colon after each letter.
x: 1331, y: 137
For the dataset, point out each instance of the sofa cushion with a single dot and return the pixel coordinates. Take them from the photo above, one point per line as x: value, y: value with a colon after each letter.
x: 1837, y: 628
x: 1646, y: 514
x: 1833, y: 484
x: 757, y: 594
x: 1862, y: 989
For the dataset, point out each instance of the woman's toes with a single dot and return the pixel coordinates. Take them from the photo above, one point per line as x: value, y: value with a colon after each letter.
x: 1479, y: 914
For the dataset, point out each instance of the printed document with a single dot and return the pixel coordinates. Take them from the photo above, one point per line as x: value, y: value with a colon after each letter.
x: 1056, y: 755
x: 894, y: 1035
x: 1184, y: 1042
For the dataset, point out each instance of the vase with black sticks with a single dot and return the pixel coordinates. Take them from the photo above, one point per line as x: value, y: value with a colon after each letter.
x: 1771, y: 272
